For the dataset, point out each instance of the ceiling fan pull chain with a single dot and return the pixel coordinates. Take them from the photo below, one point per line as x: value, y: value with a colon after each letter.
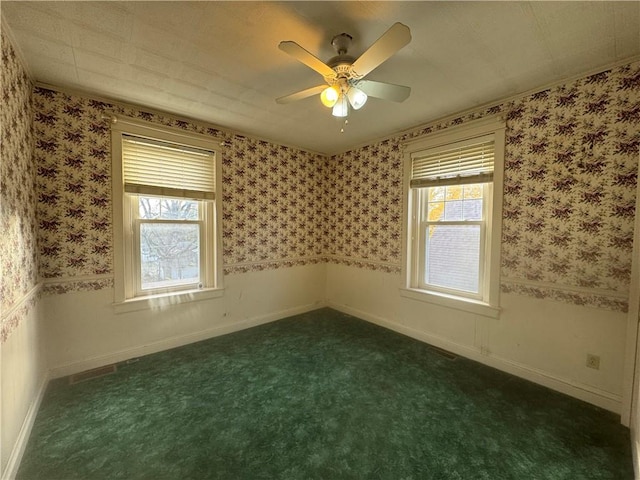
x: 343, y: 74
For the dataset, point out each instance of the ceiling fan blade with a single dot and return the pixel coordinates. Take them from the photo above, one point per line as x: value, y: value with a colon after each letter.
x: 386, y: 91
x: 389, y: 43
x: 301, y: 94
x: 311, y: 61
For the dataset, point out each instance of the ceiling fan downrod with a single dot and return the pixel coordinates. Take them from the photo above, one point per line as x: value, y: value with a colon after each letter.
x: 344, y: 74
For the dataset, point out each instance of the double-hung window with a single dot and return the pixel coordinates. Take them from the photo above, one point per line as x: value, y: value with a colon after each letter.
x: 165, y: 204
x: 453, y: 227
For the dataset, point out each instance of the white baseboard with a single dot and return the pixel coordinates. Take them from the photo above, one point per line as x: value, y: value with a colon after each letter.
x: 635, y: 454
x: 20, y: 445
x: 583, y: 392
x: 166, y: 344
x: 577, y: 390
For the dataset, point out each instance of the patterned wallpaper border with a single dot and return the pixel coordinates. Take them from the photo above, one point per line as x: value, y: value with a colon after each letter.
x: 588, y: 299
x: 53, y: 287
x: 270, y: 265
x: 585, y: 299
x: 13, y: 317
x: 365, y: 264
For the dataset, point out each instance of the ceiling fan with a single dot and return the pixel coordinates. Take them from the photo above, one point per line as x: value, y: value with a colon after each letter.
x: 344, y: 74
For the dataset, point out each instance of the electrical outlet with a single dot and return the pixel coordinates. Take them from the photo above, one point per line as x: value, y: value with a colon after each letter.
x: 593, y: 361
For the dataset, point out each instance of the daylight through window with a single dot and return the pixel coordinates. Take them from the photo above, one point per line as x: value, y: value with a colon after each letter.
x: 452, y: 204
x: 167, y: 185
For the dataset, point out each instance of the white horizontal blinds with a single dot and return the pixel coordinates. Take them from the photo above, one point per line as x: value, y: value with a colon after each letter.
x: 151, y: 167
x: 468, y: 161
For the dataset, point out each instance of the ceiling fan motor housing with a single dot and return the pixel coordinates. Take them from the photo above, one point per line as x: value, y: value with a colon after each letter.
x: 341, y: 63
x: 343, y: 72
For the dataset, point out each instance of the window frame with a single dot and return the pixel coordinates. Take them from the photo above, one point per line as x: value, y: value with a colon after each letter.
x: 128, y: 295
x: 134, y: 262
x: 486, y: 304
x: 420, y: 247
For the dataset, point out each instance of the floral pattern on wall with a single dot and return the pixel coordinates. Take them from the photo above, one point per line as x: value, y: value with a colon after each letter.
x: 569, y: 196
x: 365, y: 191
x: 18, y: 226
x: 272, y: 204
x: 364, y: 207
x: 569, y: 192
x: 62, y: 287
x: 570, y: 183
x: 74, y: 186
x: 271, y: 194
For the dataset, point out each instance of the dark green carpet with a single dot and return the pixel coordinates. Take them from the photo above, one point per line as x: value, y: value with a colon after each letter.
x: 318, y: 396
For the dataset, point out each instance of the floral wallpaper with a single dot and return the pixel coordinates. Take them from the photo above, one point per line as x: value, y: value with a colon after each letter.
x: 569, y: 192
x: 570, y: 186
x: 271, y: 195
x: 364, y: 207
x: 273, y: 206
x: 18, y: 248
x: 74, y: 186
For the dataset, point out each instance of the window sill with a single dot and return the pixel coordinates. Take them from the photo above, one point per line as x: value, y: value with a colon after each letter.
x: 450, y: 301
x: 166, y: 300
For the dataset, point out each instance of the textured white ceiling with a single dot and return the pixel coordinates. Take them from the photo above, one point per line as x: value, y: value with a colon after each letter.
x: 219, y: 61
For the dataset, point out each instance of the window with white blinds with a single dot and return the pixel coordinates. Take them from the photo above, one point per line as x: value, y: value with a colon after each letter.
x: 152, y: 167
x: 464, y: 162
x: 165, y: 213
x: 453, y: 190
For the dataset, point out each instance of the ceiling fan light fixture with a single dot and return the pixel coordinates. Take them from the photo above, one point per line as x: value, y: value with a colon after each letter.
x: 329, y: 96
x: 341, y: 108
x: 343, y: 73
x: 357, y: 98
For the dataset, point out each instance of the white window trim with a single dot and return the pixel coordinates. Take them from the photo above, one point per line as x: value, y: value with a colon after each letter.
x: 490, y: 306
x: 165, y: 300
x: 420, y: 246
x: 207, y: 248
x: 122, y: 301
x: 450, y: 301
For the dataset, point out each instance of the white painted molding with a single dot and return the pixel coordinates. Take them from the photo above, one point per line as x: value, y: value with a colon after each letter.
x: 449, y: 301
x: 577, y: 390
x: 179, y: 341
x: 20, y: 445
x: 166, y: 300
x: 630, y: 388
x: 35, y: 290
x: 635, y: 454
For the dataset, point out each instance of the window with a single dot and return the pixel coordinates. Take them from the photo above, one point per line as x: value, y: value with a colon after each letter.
x: 164, y: 211
x: 454, y: 201
x: 452, y: 226
x: 169, y: 236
